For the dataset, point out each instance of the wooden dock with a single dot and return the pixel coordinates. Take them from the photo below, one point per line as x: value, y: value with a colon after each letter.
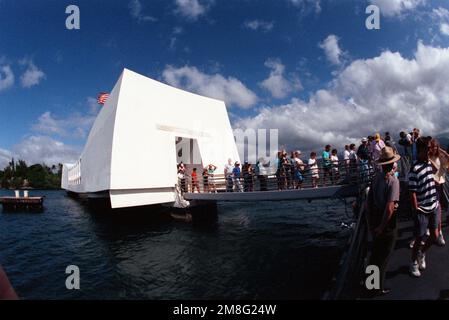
x: 22, y: 203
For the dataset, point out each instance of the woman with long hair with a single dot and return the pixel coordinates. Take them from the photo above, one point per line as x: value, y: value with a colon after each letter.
x: 437, y: 163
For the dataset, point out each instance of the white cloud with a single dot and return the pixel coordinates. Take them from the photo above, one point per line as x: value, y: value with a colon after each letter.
x: 392, y: 8
x: 441, y: 16
x: 74, y: 126
x: 230, y: 89
x: 276, y: 83
x: 6, y: 77
x: 40, y: 149
x: 47, y: 124
x: 256, y: 25
x: 307, y: 4
x: 32, y: 75
x: 441, y: 13
x: 385, y: 93
x: 332, y: 49
x: 43, y: 149
x: 135, y: 7
x: 45, y: 145
x: 5, y: 158
x: 191, y: 9
x: 444, y: 28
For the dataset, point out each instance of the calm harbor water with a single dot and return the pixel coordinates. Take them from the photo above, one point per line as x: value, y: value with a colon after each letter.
x: 282, y: 250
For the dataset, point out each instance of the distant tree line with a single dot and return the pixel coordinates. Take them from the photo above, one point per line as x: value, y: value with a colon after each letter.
x: 17, y: 175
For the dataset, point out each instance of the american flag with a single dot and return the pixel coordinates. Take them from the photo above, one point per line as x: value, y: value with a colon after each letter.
x: 102, y: 97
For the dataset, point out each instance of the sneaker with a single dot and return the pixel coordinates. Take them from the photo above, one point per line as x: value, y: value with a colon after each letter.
x: 421, y: 261
x: 414, y: 269
x: 412, y: 244
x: 441, y: 241
x: 428, y: 233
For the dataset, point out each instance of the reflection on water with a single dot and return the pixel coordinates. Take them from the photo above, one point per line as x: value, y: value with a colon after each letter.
x: 282, y: 250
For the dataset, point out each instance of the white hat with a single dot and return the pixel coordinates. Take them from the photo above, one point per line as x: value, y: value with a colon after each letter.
x: 388, y: 156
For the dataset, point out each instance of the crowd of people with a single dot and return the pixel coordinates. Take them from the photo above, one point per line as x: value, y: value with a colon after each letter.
x: 357, y: 162
x: 292, y: 172
x: 418, y: 159
x: 428, y: 166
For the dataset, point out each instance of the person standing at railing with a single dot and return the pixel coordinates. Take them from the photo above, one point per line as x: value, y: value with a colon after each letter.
x: 352, y: 163
x: 282, y: 161
x: 236, y: 174
x: 415, y: 135
x: 288, y: 169
x: 285, y: 170
x: 389, y: 142
x: 370, y: 146
x: 404, y: 150
x: 381, y: 206
x: 291, y: 171
x: 228, y: 175
x: 346, y: 160
x: 182, y: 177
x: 376, y: 147
x: 314, y: 171
x: 363, y: 155
x: 387, y: 138
x: 195, y: 183
x: 335, y: 173
x: 251, y: 178
x: 211, y: 171
x: 261, y: 174
x: 279, y: 169
x: 205, y: 181
x: 298, y: 169
x: 247, y: 177
x: 327, y: 164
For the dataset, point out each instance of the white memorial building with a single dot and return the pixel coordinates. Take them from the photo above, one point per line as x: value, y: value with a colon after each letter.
x: 135, y: 144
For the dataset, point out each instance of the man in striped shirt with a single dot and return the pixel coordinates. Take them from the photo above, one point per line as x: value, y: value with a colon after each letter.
x: 425, y: 205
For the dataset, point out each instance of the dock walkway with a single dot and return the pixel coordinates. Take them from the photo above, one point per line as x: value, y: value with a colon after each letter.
x: 434, y: 281
x: 346, y: 182
x: 349, y: 281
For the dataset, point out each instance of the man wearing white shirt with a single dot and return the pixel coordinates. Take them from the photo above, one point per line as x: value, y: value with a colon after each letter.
x: 228, y: 175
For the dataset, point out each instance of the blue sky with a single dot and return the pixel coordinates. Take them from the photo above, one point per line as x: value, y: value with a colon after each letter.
x: 271, y: 61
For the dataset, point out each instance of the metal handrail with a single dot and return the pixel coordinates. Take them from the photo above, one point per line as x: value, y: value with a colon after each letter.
x: 345, y: 173
x: 352, y: 261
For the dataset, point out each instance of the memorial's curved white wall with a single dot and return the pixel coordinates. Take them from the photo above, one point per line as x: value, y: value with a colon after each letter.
x: 131, y: 149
